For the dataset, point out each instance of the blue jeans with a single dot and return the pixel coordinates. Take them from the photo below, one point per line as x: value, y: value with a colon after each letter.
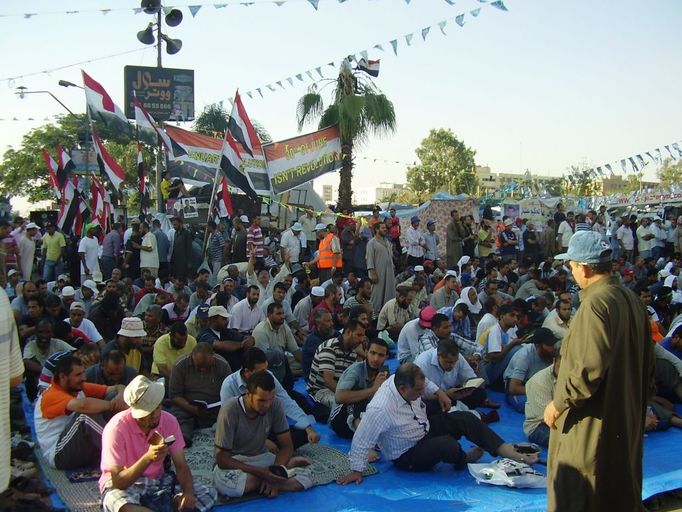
x: 493, y: 371
x: 51, y: 269
x: 108, y: 264
x: 540, y: 435
x: 517, y: 402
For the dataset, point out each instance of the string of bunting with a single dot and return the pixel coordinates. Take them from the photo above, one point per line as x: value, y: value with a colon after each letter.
x: 291, y: 207
x: 193, y: 8
x: 460, y: 20
x: 636, y: 163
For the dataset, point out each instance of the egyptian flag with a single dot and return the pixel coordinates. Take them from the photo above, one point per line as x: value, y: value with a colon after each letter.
x: 240, y: 127
x: 230, y: 162
x: 146, y: 124
x: 107, y: 165
x: 52, y: 170
x: 371, y: 67
x: 69, y: 209
x: 101, y: 204
x: 224, y: 200
x: 100, y: 104
x: 65, y: 167
x: 142, y: 177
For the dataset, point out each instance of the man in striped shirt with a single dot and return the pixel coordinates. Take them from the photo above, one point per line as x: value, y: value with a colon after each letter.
x: 396, y: 420
x: 254, y: 238
x: 331, y: 359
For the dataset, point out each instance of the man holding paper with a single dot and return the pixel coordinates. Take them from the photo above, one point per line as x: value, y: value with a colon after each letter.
x: 195, y: 389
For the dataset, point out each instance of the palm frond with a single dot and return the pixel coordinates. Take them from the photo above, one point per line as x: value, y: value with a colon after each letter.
x: 309, y: 107
x: 330, y: 116
x: 379, y: 114
x: 351, y: 118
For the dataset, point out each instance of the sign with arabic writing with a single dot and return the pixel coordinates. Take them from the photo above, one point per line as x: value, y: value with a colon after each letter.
x: 166, y: 93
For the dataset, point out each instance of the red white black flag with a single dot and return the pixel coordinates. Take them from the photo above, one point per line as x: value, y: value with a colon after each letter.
x: 52, y: 170
x: 100, y: 104
x: 142, y: 177
x: 146, y: 124
x: 107, y: 165
x: 240, y: 127
x: 230, y: 161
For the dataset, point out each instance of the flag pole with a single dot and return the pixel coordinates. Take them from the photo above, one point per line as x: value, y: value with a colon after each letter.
x: 213, y: 193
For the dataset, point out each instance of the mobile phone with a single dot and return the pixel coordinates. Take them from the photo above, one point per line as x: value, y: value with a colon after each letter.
x: 384, y: 368
x: 169, y: 440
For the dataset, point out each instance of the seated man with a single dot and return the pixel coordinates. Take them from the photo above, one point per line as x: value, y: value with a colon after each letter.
x: 526, y: 362
x: 275, y: 338
x: 396, y: 313
x: 246, y: 314
x: 278, y: 296
x: 36, y: 312
x: 177, y: 311
x: 134, y: 454
x: 305, y: 307
x: 234, y: 386
x: 446, y: 295
x: 356, y: 387
x: 396, y: 420
x: 447, y: 369
x: 88, y: 354
x: 323, y: 330
x: 128, y: 340
x: 440, y: 329
x: 112, y: 370
x: 559, y: 319
x: 331, y: 302
x: 229, y: 343
x: 194, y: 388
x: 170, y: 347
x: 154, y: 329
x: 498, y: 349
x: 539, y: 392
x: 242, y: 458
x: 38, y: 349
x: 331, y: 360
x: 78, y: 321
x: 408, y: 339
x: 70, y: 415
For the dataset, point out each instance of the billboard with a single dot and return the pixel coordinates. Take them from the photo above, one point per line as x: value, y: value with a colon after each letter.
x: 166, y: 93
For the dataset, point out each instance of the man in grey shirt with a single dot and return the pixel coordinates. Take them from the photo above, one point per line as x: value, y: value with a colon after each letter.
x: 242, y: 459
x: 526, y: 362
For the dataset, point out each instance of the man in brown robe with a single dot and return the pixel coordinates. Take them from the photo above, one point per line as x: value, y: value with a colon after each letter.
x: 605, y: 380
x: 455, y: 233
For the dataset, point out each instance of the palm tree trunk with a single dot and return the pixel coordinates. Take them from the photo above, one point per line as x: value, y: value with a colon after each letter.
x: 346, y: 179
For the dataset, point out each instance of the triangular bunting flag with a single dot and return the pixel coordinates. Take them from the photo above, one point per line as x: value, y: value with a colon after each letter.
x: 408, y: 39
x: 364, y: 54
x: 676, y: 147
x: 219, y: 6
x: 310, y: 75
x: 451, y: 2
x: 105, y: 11
x: 279, y: 3
x: 394, y: 44
x: 441, y: 26
x: 259, y: 91
x: 314, y: 3
x: 166, y: 9
x: 640, y: 160
x: 279, y: 82
x: 291, y: 81
x: 610, y: 169
x: 407, y: 2
x: 319, y: 71
x: 460, y: 20
x: 622, y: 165
x: 379, y: 47
x: 499, y: 4
x: 425, y: 32
x: 250, y: 94
x: 137, y: 10
x: 475, y: 12
x: 194, y: 9
x: 299, y: 76
x: 269, y: 86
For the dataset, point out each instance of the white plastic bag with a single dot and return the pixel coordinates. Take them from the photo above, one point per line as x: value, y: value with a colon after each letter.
x: 508, y: 472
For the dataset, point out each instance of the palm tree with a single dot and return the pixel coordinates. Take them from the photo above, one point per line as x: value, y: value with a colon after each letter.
x: 359, y: 109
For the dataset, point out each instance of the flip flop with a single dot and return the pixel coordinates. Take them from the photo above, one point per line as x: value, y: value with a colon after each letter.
x: 489, y: 403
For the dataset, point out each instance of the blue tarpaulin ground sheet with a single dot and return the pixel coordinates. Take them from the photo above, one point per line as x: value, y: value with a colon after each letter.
x: 446, y: 489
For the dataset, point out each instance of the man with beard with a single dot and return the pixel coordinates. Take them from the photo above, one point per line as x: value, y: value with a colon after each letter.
x: 135, y: 444
x: 356, y: 387
x: 362, y: 297
x: 331, y: 359
x: 128, y: 340
x: 228, y: 342
x: 455, y: 234
x: 379, y: 256
x: 36, y: 312
x: 274, y: 337
x: 246, y: 314
x: 242, y: 459
x: 558, y: 321
x: 234, y: 386
x: 170, y: 347
x: 396, y: 313
x: 20, y: 302
x: 306, y: 305
x: 322, y: 331
x: 332, y: 296
x: 194, y: 389
x: 38, y: 349
x: 70, y: 416
x: 526, y: 362
x: 111, y: 371
x: 78, y: 321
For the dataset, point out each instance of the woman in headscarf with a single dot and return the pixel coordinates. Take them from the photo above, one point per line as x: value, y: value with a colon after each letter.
x: 470, y: 298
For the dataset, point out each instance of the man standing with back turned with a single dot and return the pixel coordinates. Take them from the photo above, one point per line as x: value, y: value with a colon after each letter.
x: 600, y: 398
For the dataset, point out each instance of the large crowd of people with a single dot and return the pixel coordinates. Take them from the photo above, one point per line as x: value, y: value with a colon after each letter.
x: 128, y: 347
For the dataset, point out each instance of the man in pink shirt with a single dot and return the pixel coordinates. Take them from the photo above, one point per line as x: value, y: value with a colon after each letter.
x: 135, y: 443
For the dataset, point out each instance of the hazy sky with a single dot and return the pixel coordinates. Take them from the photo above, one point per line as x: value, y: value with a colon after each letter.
x: 543, y: 86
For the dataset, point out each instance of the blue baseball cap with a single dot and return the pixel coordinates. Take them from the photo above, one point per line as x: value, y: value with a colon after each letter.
x: 587, y: 247
x: 202, y: 311
x: 415, y: 219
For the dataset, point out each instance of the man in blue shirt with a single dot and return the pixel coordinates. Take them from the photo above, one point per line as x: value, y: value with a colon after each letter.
x: 234, y: 385
x: 673, y: 343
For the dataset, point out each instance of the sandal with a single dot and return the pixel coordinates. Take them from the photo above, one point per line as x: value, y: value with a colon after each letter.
x: 489, y: 403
